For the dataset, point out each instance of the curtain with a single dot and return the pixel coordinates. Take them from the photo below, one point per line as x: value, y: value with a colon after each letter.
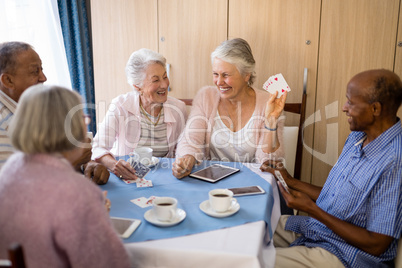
x: 77, y: 42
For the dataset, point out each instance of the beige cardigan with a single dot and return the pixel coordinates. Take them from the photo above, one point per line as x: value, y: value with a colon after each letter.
x: 196, y: 138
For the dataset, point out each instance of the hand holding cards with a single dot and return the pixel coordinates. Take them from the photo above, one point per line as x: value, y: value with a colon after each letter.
x: 276, y: 83
x: 282, y: 180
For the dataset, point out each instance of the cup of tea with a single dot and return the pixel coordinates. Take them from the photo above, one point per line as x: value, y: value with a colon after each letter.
x: 221, y: 200
x: 165, y: 208
x: 142, y: 155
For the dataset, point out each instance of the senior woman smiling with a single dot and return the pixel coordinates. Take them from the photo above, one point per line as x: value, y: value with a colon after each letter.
x: 232, y: 121
x: 57, y: 215
x: 145, y: 117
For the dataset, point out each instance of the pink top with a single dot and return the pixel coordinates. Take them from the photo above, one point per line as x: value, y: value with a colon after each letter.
x: 197, y: 135
x: 56, y: 214
x: 120, y: 131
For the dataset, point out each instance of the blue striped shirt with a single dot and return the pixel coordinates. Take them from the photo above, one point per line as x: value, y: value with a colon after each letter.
x: 363, y: 188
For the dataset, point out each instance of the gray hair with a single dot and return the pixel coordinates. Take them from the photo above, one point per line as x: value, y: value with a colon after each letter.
x: 138, y: 63
x: 237, y: 52
x: 8, y: 55
x: 38, y: 125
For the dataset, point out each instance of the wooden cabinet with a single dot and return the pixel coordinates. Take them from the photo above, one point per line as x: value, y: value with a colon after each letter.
x: 355, y: 36
x: 119, y: 27
x: 284, y: 36
x: 334, y: 40
x: 398, y: 54
x: 189, y: 30
x: 184, y: 31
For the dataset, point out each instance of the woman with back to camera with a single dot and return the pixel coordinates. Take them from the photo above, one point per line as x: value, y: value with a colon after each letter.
x: 232, y: 121
x: 145, y: 117
x: 57, y: 215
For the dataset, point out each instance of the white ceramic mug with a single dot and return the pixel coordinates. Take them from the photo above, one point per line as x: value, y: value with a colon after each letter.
x: 165, y: 208
x: 221, y: 200
x: 142, y: 155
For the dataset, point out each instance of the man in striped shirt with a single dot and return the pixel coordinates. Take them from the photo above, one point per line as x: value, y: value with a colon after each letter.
x: 20, y: 68
x: 355, y: 220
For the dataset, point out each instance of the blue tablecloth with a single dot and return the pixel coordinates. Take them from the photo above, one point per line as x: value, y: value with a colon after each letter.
x: 190, y: 193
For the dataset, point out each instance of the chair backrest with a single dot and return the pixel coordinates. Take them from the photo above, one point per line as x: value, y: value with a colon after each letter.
x: 15, y: 257
x: 298, y: 108
x: 398, y: 259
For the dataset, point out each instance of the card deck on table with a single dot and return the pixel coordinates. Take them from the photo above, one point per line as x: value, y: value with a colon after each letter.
x: 276, y: 83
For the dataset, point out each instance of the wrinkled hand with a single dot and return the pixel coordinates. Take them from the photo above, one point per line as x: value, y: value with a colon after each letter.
x: 274, y: 106
x: 124, y: 170
x: 182, y: 166
x: 96, y: 172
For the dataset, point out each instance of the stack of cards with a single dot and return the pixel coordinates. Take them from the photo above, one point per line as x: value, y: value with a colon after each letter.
x: 276, y: 83
x: 140, y: 171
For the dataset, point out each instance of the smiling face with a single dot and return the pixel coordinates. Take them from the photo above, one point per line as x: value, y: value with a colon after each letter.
x: 28, y: 72
x: 155, y: 85
x: 227, y: 78
x: 359, y: 111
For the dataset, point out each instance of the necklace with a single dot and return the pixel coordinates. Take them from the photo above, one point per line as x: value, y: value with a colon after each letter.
x: 231, y: 123
x: 149, y: 119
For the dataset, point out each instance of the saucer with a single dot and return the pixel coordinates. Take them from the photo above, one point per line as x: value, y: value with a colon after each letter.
x: 207, y: 209
x: 150, y: 217
x: 154, y: 162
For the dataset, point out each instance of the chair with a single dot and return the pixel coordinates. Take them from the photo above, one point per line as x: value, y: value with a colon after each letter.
x: 294, y: 151
x: 398, y: 259
x: 16, y: 257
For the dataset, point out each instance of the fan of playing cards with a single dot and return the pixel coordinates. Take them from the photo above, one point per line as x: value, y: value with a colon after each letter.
x: 140, y: 171
x: 276, y: 83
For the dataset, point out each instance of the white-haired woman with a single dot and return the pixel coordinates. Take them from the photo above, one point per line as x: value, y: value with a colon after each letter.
x: 231, y: 121
x: 57, y: 215
x: 145, y: 117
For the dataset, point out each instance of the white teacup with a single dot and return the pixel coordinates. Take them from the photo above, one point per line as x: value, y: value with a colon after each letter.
x: 90, y: 135
x: 142, y: 155
x: 165, y: 208
x: 221, y: 200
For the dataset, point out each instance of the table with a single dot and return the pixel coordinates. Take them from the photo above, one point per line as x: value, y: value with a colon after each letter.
x: 236, y: 246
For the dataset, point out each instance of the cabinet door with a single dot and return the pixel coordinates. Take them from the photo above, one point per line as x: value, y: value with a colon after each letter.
x: 119, y: 28
x: 283, y: 35
x: 355, y: 36
x: 398, y: 56
x: 189, y: 30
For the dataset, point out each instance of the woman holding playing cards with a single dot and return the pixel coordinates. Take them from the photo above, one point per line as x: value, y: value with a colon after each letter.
x: 145, y: 117
x: 232, y: 121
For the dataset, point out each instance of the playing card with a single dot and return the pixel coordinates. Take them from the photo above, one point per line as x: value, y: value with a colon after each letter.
x: 140, y: 201
x: 130, y: 181
x: 276, y: 83
x: 140, y: 169
x: 144, y: 183
x: 143, y: 202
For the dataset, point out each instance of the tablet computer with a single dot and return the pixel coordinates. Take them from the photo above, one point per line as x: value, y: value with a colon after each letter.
x: 214, y: 173
x: 125, y: 227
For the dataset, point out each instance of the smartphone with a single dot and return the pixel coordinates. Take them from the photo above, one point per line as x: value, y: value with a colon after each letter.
x: 282, y: 180
x: 125, y: 227
x: 248, y: 190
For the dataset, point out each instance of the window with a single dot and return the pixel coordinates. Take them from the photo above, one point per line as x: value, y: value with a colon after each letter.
x: 37, y: 22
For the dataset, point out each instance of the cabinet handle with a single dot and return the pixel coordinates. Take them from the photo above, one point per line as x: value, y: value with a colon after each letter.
x: 168, y: 73
x: 305, y: 80
x: 400, y: 44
